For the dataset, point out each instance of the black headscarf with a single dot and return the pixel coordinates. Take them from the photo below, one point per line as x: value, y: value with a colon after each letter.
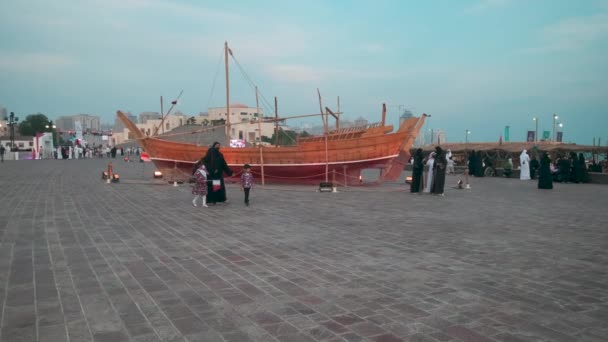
x: 213, y: 158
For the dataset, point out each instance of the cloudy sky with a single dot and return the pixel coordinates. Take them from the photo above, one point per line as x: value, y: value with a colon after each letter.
x: 471, y: 64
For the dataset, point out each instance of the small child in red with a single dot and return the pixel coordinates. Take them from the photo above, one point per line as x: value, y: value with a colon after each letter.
x: 247, y: 182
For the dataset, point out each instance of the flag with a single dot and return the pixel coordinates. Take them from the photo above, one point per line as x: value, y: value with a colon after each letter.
x: 531, y: 135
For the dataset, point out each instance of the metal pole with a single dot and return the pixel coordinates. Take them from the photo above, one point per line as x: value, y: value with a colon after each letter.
x: 257, y: 105
x: 536, y: 134
x: 554, y: 116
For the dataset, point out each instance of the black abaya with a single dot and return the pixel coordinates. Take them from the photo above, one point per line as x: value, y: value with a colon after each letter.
x: 417, y: 170
x: 216, y: 166
x: 545, y: 179
x: 439, y: 174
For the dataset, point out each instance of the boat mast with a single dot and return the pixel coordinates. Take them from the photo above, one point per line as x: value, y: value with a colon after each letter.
x: 276, y: 123
x: 338, y: 118
x: 257, y: 106
x: 227, y: 95
x: 326, y: 129
x: 162, y: 112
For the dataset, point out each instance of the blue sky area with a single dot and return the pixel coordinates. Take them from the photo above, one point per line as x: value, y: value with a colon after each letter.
x: 475, y: 64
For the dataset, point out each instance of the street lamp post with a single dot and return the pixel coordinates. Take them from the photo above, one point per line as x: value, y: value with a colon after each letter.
x: 466, y: 136
x: 53, y: 127
x: 536, y: 132
x: 12, y: 121
x: 555, y: 117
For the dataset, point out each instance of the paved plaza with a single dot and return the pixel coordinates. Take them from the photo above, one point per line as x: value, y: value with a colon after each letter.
x: 81, y: 260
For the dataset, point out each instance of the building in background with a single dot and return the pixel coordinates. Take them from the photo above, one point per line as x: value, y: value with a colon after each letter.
x: 68, y: 123
x: 243, y: 122
x: 145, y: 116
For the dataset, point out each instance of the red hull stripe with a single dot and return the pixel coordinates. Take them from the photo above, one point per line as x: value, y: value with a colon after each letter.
x: 304, y: 164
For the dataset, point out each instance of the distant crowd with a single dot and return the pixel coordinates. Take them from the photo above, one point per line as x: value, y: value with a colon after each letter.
x: 429, y: 172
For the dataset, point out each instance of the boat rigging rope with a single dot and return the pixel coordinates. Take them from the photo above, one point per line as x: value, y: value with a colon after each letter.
x: 217, y: 72
x: 267, y: 106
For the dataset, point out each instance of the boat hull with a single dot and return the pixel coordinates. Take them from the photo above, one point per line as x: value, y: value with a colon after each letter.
x: 343, y: 173
x: 340, y: 156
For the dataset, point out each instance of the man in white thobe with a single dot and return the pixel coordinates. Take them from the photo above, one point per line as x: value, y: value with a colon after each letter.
x: 524, y: 160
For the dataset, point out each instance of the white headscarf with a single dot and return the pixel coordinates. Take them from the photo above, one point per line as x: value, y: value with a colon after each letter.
x: 203, y: 170
x: 523, y: 153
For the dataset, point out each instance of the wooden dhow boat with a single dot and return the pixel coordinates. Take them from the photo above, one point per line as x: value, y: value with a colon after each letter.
x: 338, y: 155
x: 343, y: 152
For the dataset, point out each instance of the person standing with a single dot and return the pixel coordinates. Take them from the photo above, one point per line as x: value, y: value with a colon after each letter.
x: 580, y: 170
x: 2, y: 151
x: 545, y: 178
x: 417, y: 169
x: 200, y: 185
x: 216, y: 167
x: 429, y: 172
x: 439, y: 172
x: 246, y: 182
x: 479, y: 169
x: 534, y: 165
x: 472, y: 163
x: 450, y: 169
x: 524, y: 160
x: 508, y: 168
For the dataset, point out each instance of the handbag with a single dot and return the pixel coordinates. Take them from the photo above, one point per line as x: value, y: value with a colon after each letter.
x: 217, y: 184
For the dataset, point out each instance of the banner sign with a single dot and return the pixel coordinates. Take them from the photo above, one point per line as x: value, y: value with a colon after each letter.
x: 559, y: 137
x: 506, y: 133
x: 530, y: 136
x: 546, y: 135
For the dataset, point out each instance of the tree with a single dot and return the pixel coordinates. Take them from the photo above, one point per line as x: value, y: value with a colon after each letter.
x: 286, y: 138
x: 191, y: 121
x: 33, y: 124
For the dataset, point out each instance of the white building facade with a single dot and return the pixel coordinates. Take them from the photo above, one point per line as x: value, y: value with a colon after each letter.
x: 243, y: 122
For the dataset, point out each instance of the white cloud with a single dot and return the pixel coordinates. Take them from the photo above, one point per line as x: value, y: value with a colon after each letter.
x: 485, y: 5
x: 169, y: 8
x: 294, y: 73
x: 572, y: 34
x: 299, y: 73
x: 37, y: 62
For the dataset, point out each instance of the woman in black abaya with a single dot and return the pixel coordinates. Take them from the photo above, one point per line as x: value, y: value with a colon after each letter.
x: 545, y: 178
x: 216, y: 166
x: 439, y: 172
x: 417, y: 169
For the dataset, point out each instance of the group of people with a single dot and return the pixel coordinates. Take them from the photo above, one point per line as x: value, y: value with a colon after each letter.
x: 434, y: 182
x: 572, y: 169
x: 208, y: 176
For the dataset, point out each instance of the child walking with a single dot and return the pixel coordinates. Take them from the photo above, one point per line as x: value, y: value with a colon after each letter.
x: 200, y: 185
x: 246, y: 182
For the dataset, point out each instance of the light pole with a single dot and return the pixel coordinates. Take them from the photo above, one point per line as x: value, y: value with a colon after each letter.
x: 555, y: 117
x: 536, y: 132
x: 466, y: 136
x: 50, y: 125
x: 12, y: 121
x: 561, y: 125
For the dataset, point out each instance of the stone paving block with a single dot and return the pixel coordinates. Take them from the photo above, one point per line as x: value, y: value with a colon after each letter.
x: 52, y: 333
